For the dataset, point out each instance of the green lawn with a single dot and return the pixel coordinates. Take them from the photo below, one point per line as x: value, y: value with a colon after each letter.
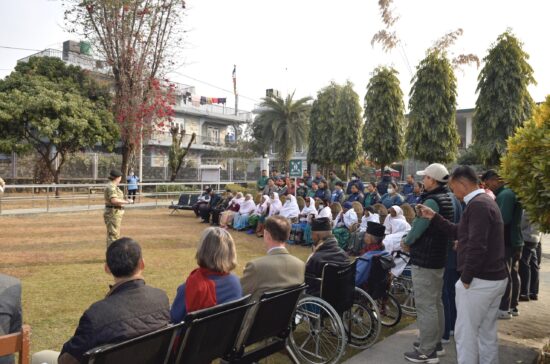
x: 60, y: 259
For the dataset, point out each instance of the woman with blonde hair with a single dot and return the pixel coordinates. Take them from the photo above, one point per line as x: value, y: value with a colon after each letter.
x: 211, y: 283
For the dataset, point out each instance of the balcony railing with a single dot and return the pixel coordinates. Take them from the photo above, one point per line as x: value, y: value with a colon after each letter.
x: 165, y: 138
x: 213, y: 109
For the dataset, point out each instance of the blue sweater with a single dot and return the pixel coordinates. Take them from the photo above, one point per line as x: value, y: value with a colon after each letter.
x: 132, y: 182
x: 228, y: 288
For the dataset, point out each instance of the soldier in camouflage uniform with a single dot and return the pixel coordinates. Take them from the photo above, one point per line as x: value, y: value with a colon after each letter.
x: 114, y: 206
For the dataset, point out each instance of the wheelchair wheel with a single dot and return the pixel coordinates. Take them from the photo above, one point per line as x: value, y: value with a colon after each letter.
x: 402, y: 290
x: 362, y: 321
x: 317, y: 335
x: 390, y: 310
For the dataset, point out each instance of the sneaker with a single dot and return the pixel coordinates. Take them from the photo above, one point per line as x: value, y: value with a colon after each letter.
x: 438, y: 348
x: 504, y: 315
x: 534, y: 297
x: 445, y: 341
x: 417, y: 357
x: 524, y: 298
x: 515, y: 311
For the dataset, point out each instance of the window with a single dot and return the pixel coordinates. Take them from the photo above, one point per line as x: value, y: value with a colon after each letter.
x: 213, y: 134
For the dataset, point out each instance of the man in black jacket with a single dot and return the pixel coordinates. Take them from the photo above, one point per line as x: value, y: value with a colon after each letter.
x: 325, y: 250
x: 206, y: 209
x: 428, y: 251
x: 130, y: 308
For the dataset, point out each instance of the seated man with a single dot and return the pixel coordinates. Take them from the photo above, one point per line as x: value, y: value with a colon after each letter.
x: 209, y: 208
x: 203, y: 199
x: 130, y: 308
x: 278, y: 269
x: 10, y: 309
x: 373, y: 246
x: 325, y: 250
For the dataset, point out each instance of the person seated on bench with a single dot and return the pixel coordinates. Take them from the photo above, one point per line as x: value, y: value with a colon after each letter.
x: 10, y: 309
x: 130, y: 309
x: 220, y: 207
x: 226, y: 217
x: 240, y: 220
x: 211, y: 283
x: 204, y: 198
x: 325, y: 250
x: 208, y: 208
x: 373, y: 246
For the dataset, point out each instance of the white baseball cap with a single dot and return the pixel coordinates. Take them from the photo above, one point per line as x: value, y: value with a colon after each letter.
x: 437, y: 171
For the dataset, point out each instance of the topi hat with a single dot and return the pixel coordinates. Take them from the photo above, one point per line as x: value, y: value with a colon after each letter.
x: 376, y: 229
x: 437, y: 171
x: 321, y: 224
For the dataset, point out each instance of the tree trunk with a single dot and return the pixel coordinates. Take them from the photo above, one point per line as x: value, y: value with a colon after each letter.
x: 181, y: 157
x: 127, y: 150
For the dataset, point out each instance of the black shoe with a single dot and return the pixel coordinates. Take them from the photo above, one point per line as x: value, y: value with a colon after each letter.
x: 534, y: 297
x: 417, y: 357
x: 439, y: 350
x: 205, y: 222
x: 524, y: 298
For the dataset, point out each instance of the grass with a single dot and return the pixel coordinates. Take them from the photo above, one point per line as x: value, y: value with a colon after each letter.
x: 60, y: 259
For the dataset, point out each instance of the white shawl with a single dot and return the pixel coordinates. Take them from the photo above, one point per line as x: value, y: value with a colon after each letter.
x: 290, y: 209
x: 389, y: 221
x: 247, y: 207
x: 350, y: 218
x: 366, y: 219
x: 275, y: 205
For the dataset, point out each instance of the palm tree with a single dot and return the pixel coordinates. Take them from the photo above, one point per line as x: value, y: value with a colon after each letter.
x: 284, y: 123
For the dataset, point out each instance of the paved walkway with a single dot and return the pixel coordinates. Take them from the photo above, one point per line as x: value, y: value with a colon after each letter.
x: 520, y: 339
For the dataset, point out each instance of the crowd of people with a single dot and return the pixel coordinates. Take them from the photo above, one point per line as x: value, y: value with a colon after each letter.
x: 474, y: 256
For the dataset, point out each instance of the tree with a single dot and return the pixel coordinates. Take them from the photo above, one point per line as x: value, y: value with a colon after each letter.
x: 346, y: 136
x: 55, y: 110
x: 432, y: 134
x: 136, y: 38
x: 504, y: 102
x: 177, y: 151
x: 284, y: 123
x: 384, y: 117
x: 525, y: 165
x: 322, y: 122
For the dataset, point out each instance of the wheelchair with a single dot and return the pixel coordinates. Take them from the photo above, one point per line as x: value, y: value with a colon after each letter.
x: 402, y: 286
x: 342, y: 315
x: 378, y: 286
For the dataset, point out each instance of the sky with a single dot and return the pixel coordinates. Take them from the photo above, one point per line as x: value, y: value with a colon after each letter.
x: 303, y: 45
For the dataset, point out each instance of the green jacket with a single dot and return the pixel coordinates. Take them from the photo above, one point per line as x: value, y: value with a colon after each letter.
x: 262, y: 182
x: 511, y: 211
x: 332, y: 182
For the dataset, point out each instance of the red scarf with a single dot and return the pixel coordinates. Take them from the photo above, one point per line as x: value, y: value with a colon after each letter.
x: 200, y: 291
x: 371, y: 248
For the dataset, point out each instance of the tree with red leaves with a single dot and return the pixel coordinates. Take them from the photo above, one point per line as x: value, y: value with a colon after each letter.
x: 137, y: 38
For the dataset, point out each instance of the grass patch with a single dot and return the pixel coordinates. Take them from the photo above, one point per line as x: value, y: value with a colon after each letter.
x: 60, y: 260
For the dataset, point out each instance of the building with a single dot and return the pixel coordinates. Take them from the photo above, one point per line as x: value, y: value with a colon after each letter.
x: 216, y: 127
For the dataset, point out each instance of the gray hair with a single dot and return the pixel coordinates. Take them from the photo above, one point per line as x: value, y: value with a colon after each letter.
x: 216, y: 250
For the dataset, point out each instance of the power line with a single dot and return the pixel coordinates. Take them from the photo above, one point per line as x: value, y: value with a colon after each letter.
x: 21, y: 49
x: 214, y: 86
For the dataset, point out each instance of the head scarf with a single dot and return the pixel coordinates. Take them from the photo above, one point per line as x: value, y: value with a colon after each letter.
x: 248, y: 206
x: 263, y: 205
x: 307, y: 210
x: 275, y: 204
x: 350, y: 218
x: 389, y: 219
x: 237, y: 200
x: 374, y: 217
x: 290, y: 208
x: 325, y: 212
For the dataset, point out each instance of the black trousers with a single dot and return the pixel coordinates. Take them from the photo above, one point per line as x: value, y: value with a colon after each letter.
x: 529, y: 269
x: 511, y: 295
x: 132, y: 194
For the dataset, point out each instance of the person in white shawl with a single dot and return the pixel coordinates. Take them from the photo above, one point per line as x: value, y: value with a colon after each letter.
x: 308, y: 211
x: 369, y: 215
x: 392, y: 243
x: 394, y: 213
x: 290, y: 209
x: 240, y: 220
x: 347, y: 217
x: 275, y: 204
x: 226, y: 217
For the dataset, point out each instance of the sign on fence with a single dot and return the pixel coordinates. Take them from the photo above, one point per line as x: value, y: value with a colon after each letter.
x: 295, y: 168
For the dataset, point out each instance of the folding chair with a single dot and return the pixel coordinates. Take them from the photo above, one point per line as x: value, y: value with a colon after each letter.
x: 211, y: 333
x: 271, y: 324
x: 149, y: 348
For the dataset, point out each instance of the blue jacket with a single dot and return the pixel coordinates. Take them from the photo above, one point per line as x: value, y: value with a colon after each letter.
x: 407, y: 189
x: 359, y: 185
x: 228, y: 288
x: 363, y: 266
x: 413, y: 199
x: 323, y: 194
x: 132, y: 182
x: 388, y: 201
x: 337, y: 196
x: 356, y: 197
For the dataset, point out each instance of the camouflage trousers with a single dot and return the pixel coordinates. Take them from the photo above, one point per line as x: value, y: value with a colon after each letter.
x: 113, y: 220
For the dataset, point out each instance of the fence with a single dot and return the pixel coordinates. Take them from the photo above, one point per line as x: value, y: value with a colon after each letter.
x: 94, y: 167
x: 29, y: 199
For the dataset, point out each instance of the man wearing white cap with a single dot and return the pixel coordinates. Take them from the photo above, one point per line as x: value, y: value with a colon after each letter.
x: 428, y: 251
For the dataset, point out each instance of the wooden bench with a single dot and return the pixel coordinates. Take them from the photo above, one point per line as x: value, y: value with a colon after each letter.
x: 19, y: 342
